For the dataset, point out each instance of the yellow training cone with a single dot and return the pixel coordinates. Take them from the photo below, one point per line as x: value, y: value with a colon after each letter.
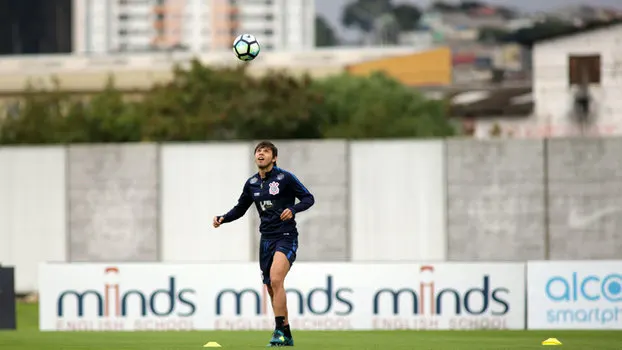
x: 212, y: 344
x: 551, y: 341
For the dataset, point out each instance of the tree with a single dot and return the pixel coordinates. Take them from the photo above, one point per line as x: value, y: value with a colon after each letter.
x: 407, y: 17
x: 362, y: 13
x: 203, y: 103
x: 379, y: 107
x: 441, y: 6
x: 324, y: 33
x: 539, y: 31
x: 552, y: 27
x: 387, y: 30
x: 381, y: 18
x: 470, y: 5
x: 492, y: 34
x: 38, y: 118
x: 508, y: 13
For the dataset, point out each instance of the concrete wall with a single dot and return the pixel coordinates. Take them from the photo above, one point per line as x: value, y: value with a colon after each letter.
x: 401, y: 200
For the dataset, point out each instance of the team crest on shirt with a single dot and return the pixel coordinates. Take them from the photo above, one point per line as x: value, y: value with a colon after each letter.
x: 274, y: 188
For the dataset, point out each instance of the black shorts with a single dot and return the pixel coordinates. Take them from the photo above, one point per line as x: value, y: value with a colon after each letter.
x: 268, y: 246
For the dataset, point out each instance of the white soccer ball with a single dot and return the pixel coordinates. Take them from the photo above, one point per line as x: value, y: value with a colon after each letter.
x: 246, y: 47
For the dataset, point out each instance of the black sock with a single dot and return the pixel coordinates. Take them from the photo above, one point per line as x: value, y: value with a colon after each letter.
x: 280, y: 322
x: 287, y: 331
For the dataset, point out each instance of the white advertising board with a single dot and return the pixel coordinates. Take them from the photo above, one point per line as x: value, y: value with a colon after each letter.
x: 78, y: 297
x: 574, y: 295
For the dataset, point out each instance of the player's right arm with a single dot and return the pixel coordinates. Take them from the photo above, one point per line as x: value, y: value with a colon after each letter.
x: 244, y: 202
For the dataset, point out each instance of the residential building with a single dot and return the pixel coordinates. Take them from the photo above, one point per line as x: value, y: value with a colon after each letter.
x: 580, y: 14
x: 459, y: 25
x: 577, y: 84
x: 192, y: 25
x: 577, y: 81
x: 35, y: 27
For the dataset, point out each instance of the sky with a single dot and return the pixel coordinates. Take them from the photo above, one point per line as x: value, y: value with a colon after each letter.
x: 331, y: 9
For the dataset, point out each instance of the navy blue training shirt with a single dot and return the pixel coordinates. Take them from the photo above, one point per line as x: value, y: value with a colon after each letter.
x: 272, y: 195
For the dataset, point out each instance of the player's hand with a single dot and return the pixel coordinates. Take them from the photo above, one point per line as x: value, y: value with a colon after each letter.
x: 217, y: 221
x: 287, y: 215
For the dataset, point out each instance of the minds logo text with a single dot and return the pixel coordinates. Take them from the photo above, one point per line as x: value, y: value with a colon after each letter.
x: 114, y: 301
x: 477, y: 300
x: 321, y: 300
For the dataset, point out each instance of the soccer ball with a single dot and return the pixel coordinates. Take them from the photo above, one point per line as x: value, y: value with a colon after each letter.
x: 246, y: 47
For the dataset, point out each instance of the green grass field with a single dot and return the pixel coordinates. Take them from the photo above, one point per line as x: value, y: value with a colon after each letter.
x: 29, y: 338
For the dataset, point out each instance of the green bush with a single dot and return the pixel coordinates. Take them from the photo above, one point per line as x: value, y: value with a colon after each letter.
x: 378, y: 107
x: 202, y: 103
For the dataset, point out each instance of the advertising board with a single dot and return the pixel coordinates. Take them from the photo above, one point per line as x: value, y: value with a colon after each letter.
x: 574, y: 295
x: 8, y: 317
x: 321, y: 296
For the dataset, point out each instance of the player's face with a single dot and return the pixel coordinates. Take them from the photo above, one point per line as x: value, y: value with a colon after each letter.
x: 264, y: 158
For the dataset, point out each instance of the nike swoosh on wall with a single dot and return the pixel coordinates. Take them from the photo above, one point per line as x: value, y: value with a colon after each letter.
x: 581, y: 220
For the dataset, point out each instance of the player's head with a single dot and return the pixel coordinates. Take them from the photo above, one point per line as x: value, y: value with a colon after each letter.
x: 265, y: 154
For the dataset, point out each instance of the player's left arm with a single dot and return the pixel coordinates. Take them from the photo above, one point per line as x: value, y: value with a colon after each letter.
x: 306, y: 199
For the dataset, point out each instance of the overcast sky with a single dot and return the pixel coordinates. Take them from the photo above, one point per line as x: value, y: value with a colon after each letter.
x: 331, y: 9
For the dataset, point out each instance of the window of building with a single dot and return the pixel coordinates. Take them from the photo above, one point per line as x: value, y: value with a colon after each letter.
x: 584, y: 69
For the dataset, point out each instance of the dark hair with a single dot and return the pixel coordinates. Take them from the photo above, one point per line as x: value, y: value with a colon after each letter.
x: 269, y: 145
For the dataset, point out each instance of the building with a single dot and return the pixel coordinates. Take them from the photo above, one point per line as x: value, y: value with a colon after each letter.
x: 577, y: 82
x: 34, y: 27
x: 460, y: 25
x: 576, y: 89
x: 584, y: 13
x: 191, y: 25
x: 493, y: 111
x: 137, y: 72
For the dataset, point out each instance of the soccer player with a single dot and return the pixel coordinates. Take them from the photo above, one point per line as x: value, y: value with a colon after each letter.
x: 273, y: 190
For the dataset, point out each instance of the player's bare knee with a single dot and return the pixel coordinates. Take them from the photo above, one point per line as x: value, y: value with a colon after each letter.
x: 276, y: 282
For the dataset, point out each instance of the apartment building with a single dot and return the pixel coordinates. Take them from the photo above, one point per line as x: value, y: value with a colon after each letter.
x: 105, y: 26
